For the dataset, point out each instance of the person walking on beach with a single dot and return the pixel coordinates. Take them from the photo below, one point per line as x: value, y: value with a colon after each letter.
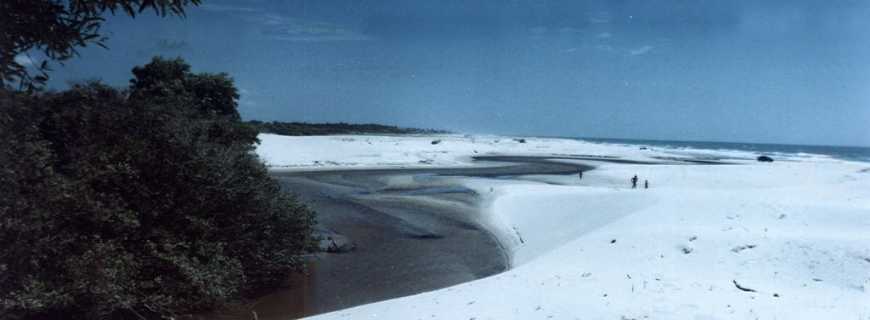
x: 646, y: 184
x: 634, y: 182
x: 580, y: 174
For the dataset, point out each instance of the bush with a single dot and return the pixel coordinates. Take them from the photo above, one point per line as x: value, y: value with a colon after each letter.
x: 316, y: 129
x: 144, y: 203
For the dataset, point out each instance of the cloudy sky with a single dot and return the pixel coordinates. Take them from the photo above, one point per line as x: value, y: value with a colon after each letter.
x: 781, y: 71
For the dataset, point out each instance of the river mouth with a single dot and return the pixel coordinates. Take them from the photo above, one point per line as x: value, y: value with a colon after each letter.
x: 402, y: 244
x: 415, y: 237
x: 410, y: 237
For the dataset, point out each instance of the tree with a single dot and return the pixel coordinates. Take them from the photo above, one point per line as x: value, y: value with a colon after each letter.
x: 127, y: 204
x: 212, y: 95
x: 56, y: 28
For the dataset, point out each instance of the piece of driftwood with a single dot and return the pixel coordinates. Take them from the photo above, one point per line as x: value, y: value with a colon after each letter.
x: 742, y: 288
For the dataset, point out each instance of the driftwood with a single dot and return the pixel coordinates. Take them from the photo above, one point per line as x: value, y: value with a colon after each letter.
x: 742, y: 288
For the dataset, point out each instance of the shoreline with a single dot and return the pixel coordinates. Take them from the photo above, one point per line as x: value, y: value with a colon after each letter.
x: 431, y: 204
x: 420, y: 217
x: 794, y: 230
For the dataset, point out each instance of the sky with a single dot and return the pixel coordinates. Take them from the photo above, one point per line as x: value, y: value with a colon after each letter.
x: 777, y: 71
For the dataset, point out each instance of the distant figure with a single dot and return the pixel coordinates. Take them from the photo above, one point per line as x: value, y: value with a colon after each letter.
x: 634, y: 182
x: 646, y: 184
x: 580, y: 174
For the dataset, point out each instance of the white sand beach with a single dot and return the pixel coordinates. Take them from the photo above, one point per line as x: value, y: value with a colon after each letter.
x: 748, y: 240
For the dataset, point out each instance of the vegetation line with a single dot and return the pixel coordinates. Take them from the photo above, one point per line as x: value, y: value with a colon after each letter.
x: 317, y: 129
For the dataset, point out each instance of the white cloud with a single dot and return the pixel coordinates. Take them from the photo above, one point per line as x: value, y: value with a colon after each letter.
x: 227, y: 8
x: 280, y: 27
x: 321, y: 38
x: 604, y: 47
x: 272, y: 19
x: 641, y: 51
x: 600, y: 17
x: 248, y: 103
x: 291, y: 29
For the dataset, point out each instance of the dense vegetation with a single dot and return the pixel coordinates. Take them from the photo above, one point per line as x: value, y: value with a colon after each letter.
x: 316, y: 129
x: 141, y: 203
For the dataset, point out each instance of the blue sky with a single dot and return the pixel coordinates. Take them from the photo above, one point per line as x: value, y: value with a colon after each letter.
x: 751, y: 71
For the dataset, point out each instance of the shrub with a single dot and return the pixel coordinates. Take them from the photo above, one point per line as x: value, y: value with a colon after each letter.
x: 313, y: 129
x: 143, y: 203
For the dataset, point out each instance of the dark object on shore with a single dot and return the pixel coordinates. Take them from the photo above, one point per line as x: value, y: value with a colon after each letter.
x: 520, y: 140
x: 765, y: 159
x: 741, y: 248
x: 436, y: 141
x: 580, y: 174
x: 643, y: 148
x: 613, y: 241
x: 646, y: 184
x: 742, y: 288
x: 426, y: 236
x: 336, y: 243
x: 634, y: 182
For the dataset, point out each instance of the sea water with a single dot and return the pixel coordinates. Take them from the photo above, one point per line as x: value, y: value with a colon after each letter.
x: 838, y: 152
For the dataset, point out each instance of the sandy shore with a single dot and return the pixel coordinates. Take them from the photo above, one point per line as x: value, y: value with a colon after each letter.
x: 781, y: 240
x: 413, y: 230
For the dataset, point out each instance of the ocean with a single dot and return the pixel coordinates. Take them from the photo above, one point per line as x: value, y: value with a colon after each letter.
x: 839, y: 152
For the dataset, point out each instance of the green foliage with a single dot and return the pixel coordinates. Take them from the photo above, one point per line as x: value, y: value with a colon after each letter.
x: 57, y: 27
x: 144, y: 203
x: 315, y: 129
x: 213, y: 95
